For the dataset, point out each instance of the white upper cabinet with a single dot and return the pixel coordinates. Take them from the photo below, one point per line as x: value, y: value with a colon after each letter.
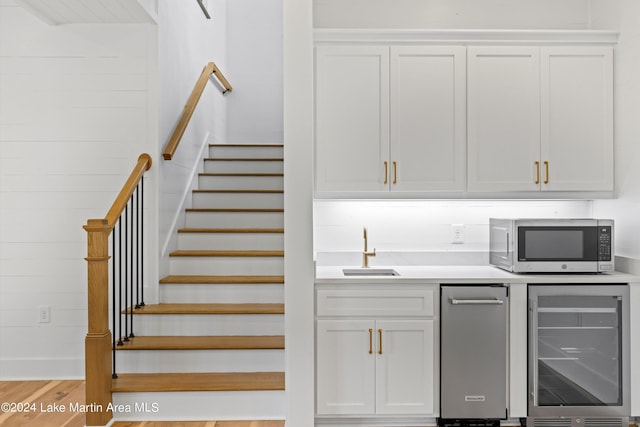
x: 428, y: 118
x: 390, y: 120
x: 577, y: 118
x: 540, y: 119
x: 503, y: 119
x: 405, y: 119
x: 352, y: 119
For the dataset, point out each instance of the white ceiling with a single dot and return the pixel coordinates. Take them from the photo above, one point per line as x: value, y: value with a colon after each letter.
x: 87, y: 11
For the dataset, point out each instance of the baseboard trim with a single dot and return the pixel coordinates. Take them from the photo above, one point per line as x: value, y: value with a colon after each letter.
x: 29, y: 369
x: 170, y: 242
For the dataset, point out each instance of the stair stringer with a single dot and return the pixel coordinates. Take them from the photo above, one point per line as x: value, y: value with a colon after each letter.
x: 170, y: 242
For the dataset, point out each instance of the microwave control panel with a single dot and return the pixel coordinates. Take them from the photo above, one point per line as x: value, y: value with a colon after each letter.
x: 604, y: 243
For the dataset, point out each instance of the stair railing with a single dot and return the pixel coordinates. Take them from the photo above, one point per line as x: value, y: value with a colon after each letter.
x: 124, y: 217
x: 209, y: 70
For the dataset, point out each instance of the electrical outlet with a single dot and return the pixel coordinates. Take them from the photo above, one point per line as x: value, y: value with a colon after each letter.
x: 44, y: 314
x: 457, y: 233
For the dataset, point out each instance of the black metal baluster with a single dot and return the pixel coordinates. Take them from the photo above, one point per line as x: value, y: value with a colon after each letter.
x: 142, y: 245
x: 126, y: 271
x: 138, y: 257
x: 131, y: 255
x: 113, y: 300
x: 119, y: 313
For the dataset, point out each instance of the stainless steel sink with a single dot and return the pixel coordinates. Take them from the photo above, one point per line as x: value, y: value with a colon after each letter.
x: 370, y: 272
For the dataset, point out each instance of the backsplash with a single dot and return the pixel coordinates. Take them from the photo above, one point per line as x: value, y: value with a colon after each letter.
x: 408, y: 226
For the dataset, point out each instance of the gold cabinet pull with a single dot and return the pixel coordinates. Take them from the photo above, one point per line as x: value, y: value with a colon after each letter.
x: 537, y: 172
x: 370, y: 341
x: 380, y: 343
x: 546, y: 168
x: 386, y: 172
x: 395, y: 172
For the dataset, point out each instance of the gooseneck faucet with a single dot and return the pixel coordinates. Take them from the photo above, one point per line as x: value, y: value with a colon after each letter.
x: 365, y: 254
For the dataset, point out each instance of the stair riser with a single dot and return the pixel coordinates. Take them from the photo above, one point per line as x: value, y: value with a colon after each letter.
x: 209, y: 324
x: 213, y: 166
x: 169, y: 361
x: 233, y: 293
x: 241, y: 182
x: 227, y: 266
x: 231, y: 241
x: 252, y: 152
x: 235, y: 219
x: 238, y: 200
x: 198, y: 406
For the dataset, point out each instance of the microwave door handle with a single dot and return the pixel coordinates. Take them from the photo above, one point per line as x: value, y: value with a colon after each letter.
x: 507, y: 244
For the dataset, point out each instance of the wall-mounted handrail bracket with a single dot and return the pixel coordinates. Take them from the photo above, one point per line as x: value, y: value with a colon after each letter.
x: 204, y: 9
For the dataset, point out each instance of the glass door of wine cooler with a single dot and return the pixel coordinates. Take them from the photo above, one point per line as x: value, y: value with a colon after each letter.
x: 578, y: 350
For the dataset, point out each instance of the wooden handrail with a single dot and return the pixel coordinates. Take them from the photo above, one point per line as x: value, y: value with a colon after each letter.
x: 143, y: 165
x: 210, y: 69
x: 98, y: 342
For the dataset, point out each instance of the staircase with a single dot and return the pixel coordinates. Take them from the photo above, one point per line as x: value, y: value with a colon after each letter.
x: 213, y: 348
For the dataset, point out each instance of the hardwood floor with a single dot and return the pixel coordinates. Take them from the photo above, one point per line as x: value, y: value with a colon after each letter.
x: 57, y: 404
x: 202, y: 424
x: 41, y: 403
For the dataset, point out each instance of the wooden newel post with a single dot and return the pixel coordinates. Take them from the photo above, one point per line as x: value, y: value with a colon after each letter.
x: 98, y: 341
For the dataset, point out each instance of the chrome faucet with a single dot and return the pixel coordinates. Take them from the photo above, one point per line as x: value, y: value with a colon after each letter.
x: 365, y: 254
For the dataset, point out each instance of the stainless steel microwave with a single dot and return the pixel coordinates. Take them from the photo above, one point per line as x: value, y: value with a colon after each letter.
x: 551, y: 245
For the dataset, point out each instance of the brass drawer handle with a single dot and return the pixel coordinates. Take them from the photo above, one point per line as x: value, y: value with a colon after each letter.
x: 380, y: 343
x: 386, y: 172
x: 537, y: 172
x: 546, y: 167
x: 370, y: 341
x: 395, y: 172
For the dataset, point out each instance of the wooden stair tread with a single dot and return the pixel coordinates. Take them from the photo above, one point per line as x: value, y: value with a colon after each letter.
x: 246, y: 145
x: 244, y: 159
x: 200, y: 381
x: 222, y: 253
x: 187, y: 279
x: 237, y: 210
x: 275, y: 342
x: 231, y: 230
x: 240, y: 191
x: 243, y: 174
x: 183, y: 308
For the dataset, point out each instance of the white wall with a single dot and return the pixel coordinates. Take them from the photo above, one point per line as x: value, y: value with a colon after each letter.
x: 75, y: 113
x: 254, y: 43
x: 626, y: 207
x: 299, y: 271
x: 450, y: 14
x: 187, y: 42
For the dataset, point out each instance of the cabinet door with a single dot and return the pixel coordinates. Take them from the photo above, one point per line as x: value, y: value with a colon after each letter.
x: 503, y: 119
x: 405, y: 378
x: 345, y: 367
x: 577, y: 118
x: 352, y: 119
x: 428, y: 118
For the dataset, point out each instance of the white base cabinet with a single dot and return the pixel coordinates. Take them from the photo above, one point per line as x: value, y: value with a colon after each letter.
x: 375, y: 367
x: 370, y: 360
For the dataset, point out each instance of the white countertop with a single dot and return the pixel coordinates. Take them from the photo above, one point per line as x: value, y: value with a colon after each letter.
x: 464, y: 274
